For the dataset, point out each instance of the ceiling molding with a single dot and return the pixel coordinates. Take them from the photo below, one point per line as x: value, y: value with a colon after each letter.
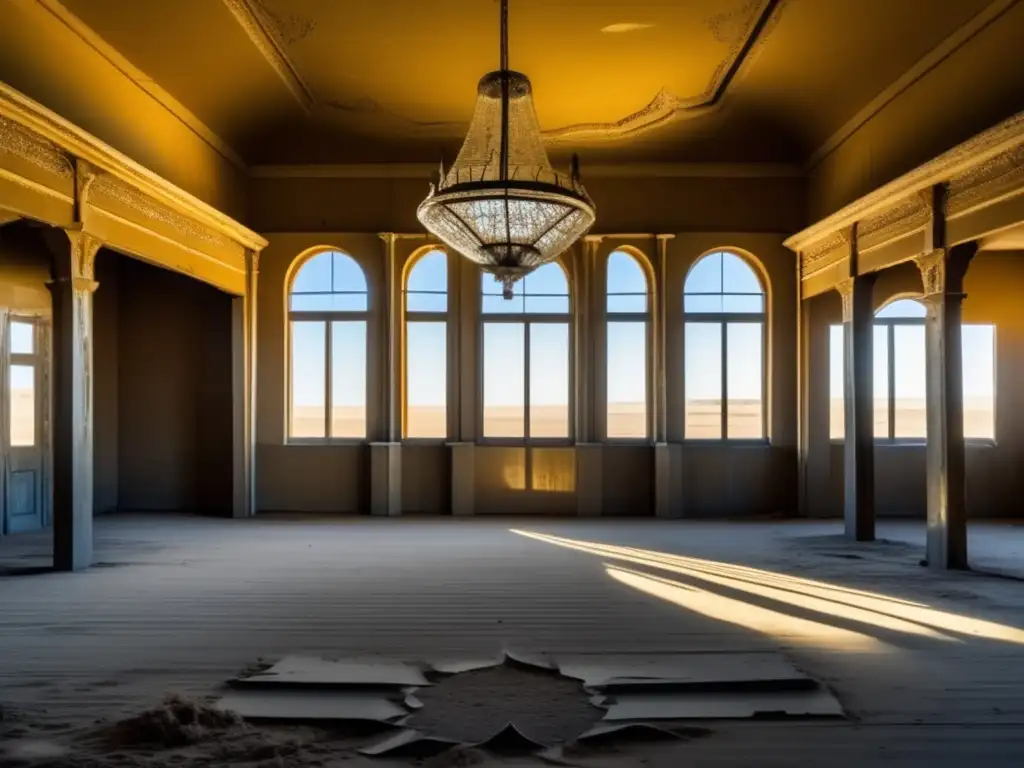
x: 928, y: 62
x: 610, y: 171
x: 68, y: 137
x: 255, y: 26
x: 977, y: 160
x: 142, y: 81
x: 665, y: 106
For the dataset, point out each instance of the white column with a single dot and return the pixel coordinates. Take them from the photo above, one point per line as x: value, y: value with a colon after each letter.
x: 386, y: 456
x: 668, y: 496
x: 243, y: 375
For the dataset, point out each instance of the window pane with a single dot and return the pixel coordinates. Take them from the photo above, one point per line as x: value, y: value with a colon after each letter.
x: 703, y: 303
x: 627, y: 380
x: 426, y: 302
x: 328, y: 302
x: 22, y: 338
x: 348, y: 379
x: 426, y: 380
x: 504, y: 379
x: 736, y: 302
x: 314, y: 276
x: 625, y: 275
x: 549, y: 380
x: 836, y: 407
x: 706, y: 275
x: 549, y: 279
x: 309, y: 379
x: 23, y: 405
x: 744, y: 412
x: 902, y: 308
x: 738, y: 276
x: 703, y: 380
x: 540, y: 305
x: 496, y: 305
x: 979, y: 365
x: 348, y: 275
x: 429, y: 273
x: 627, y: 302
x: 880, y: 394
x: 910, y: 411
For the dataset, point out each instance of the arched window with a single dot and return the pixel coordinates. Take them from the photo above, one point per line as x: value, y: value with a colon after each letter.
x: 899, y: 375
x: 426, y: 347
x: 724, y: 313
x: 525, y: 354
x: 627, y: 315
x: 328, y: 310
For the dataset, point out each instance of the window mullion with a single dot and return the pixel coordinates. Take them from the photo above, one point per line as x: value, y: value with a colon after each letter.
x: 526, y: 380
x: 891, y: 394
x: 328, y: 376
x: 725, y: 380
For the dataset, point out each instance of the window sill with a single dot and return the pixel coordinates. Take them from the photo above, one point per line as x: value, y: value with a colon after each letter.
x: 970, y: 442
x: 327, y: 441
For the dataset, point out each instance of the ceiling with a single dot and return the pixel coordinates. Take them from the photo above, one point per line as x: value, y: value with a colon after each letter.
x: 334, y: 81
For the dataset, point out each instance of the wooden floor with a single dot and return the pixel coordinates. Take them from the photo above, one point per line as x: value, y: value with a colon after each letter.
x: 929, y: 665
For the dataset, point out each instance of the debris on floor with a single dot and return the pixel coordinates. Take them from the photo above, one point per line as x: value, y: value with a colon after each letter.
x: 179, y: 722
x: 519, y: 703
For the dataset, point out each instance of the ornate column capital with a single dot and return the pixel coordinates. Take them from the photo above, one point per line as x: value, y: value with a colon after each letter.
x: 933, y: 271
x: 845, y: 290
x: 79, y: 268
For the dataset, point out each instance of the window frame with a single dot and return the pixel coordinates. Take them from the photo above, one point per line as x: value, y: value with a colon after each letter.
x: 328, y: 318
x: 723, y: 320
x: 647, y: 318
x: 890, y: 323
x: 527, y: 319
x: 421, y: 316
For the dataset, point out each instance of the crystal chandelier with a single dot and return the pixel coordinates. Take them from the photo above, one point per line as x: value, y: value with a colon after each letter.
x: 501, y: 204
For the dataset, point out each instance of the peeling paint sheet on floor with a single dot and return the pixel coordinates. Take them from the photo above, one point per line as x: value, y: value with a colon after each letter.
x: 312, y: 705
x: 723, y: 706
x: 309, y: 671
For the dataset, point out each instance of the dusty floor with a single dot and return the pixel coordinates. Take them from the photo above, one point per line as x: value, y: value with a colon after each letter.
x: 930, y: 666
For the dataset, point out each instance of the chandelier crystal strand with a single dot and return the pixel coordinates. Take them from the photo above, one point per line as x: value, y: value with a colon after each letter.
x: 501, y: 204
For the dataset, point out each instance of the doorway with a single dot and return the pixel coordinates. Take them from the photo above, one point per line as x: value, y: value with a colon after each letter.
x: 24, y: 367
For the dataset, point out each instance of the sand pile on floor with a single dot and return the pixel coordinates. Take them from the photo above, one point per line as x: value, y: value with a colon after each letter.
x: 178, y: 723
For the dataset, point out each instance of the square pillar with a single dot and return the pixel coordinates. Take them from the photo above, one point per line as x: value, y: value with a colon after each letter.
x: 859, y: 442
x: 463, y: 485
x: 72, y: 289
x: 243, y: 387
x: 943, y: 272
x: 589, y: 479
x: 668, y: 496
x: 386, y: 479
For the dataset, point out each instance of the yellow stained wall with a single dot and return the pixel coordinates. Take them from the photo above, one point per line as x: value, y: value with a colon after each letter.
x: 974, y: 88
x: 993, y: 285
x: 48, y: 62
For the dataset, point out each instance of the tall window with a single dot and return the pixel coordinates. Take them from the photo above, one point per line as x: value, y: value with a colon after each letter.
x: 627, y: 309
x: 724, y: 313
x: 899, y: 380
x: 426, y: 347
x: 525, y: 344
x: 328, y: 311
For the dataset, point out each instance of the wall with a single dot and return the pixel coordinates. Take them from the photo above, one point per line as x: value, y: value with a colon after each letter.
x: 105, y: 392
x: 333, y: 477
x: 974, y: 88
x: 669, y: 204
x: 48, y: 62
x: 174, y: 388
x: 994, y: 484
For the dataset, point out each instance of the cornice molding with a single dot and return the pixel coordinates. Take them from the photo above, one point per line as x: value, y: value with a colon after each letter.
x: 71, y: 139
x: 145, y: 83
x: 609, y: 171
x: 255, y: 26
x: 956, y: 168
x: 922, y: 67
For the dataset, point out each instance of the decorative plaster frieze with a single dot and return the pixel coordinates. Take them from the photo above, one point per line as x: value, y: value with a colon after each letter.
x: 987, y: 181
x: 824, y: 253
x: 907, y: 216
x: 115, y: 189
x: 30, y: 146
